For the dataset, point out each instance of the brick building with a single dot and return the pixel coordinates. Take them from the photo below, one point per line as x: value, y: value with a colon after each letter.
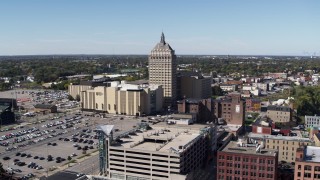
x: 203, y: 108
x: 307, y: 164
x: 253, y: 105
x: 242, y: 161
x: 231, y: 109
x: 263, y: 126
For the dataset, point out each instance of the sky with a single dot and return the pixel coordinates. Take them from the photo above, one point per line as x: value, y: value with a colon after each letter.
x: 201, y: 27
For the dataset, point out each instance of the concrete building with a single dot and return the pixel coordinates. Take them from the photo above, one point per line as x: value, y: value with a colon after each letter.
x: 163, y: 70
x: 75, y: 90
x: 127, y: 99
x: 194, y: 87
x: 238, y: 160
x: 182, y: 119
x: 203, y: 108
x: 312, y: 121
x: 231, y: 109
x: 281, y: 114
x: 307, y: 163
x: 161, y: 152
x: 229, y: 87
x: 262, y: 86
x: 286, y: 145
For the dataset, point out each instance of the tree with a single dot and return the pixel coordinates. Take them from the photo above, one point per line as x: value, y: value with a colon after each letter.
x: 69, y: 158
x: 70, y: 98
x: 78, y: 97
x: 217, y: 91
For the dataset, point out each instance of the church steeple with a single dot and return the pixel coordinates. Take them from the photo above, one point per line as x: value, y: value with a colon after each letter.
x: 162, y: 39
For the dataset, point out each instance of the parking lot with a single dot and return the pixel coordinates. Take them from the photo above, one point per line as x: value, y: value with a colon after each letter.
x: 44, y: 143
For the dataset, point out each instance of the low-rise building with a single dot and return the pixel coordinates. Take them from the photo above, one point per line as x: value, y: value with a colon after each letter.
x: 263, y: 126
x: 127, y: 99
x: 203, y: 108
x: 182, y: 119
x: 229, y: 87
x: 262, y: 86
x: 312, y: 121
x: 161, y: 152
x: 253, y: 105
x: 281, y: 114
x: 307, y: 163
x: 238, y: 160
x: 45, y: 108
x: 286, y: 145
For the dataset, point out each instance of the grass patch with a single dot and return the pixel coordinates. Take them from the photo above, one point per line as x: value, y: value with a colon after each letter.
x: 249, y: 120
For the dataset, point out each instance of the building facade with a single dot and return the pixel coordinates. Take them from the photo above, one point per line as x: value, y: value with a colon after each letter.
x: 127, y: 99
x: 194, y: 87
x: 253, y: 105
x: 163, y: 70
x: 307, y: 164
x: 312, y: 121
x: 203, y: 108
x: 281, y: 114
x: 229, y: 87
x: 238, y: 161
x: 75, y: 90
x: 231, y: 109
x: 159, y: 153
x: 286, y: 145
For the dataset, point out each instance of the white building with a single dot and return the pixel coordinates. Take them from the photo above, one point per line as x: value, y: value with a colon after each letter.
x: 312, y: 121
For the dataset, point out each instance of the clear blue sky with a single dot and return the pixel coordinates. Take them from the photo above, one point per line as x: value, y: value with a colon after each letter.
x: 269, y: 27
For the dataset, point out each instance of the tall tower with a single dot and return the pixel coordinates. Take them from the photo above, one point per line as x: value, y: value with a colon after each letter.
x: 163, y: 70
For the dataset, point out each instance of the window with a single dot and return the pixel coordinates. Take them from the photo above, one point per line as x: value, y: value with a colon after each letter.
x: 270, y: 161
x: 269, y: 176
x: 317, y: 168
x: 307, y: 168
x: 307, y: 175
x: 96, y: 105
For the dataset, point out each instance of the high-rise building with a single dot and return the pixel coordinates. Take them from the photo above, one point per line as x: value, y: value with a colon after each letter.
x: 162, y: 70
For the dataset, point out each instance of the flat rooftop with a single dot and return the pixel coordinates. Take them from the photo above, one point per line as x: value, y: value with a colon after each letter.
x: 162, y: 138
x: 312, y: 154
x: 288, y: 138
x: 234, y: 147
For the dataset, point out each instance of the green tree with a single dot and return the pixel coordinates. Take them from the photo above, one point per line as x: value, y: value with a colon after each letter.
x: 78, y: 97
x: 217, y: 91
x: 70, y: 98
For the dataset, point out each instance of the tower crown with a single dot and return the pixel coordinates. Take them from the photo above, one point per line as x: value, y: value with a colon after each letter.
x: 162, y: 40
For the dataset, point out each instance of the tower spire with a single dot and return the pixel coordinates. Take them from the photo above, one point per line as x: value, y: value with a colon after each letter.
x: 162, y: 39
